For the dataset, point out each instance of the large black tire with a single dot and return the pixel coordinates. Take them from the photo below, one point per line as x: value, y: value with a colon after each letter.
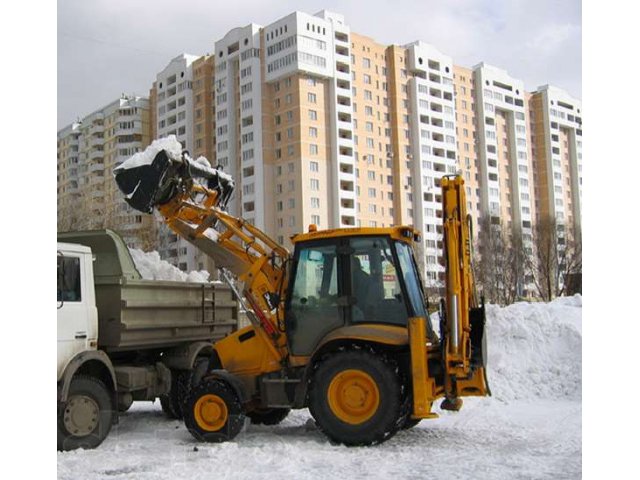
x: 85, y: 419
x: 171, y: 402
x: 369, y: 409
x: 186, y: 380
x: 213, y: 412
x: 268, y: 416
x: 410, y: 423
x: 405, y: 420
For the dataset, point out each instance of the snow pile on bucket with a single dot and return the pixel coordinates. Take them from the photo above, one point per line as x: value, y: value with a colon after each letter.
x: 535, y: 350
x: 170, y: 144
x: 151, y: 267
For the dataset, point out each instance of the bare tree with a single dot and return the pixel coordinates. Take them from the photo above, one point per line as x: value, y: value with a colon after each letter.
x: 557, y: 254
x: 499, y: 261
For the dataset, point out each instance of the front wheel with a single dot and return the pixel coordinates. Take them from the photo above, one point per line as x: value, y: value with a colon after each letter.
x: 212, y: 412
x: 355, y: 397
x: 84, y: 420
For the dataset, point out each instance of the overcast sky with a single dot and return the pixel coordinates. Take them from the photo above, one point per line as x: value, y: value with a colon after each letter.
x: 109, y: 47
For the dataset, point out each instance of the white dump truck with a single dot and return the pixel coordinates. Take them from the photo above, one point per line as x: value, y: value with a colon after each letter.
x: 122, y: 338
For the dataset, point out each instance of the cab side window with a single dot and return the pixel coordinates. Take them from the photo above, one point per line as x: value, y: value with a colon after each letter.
x: 69, y: 279
x: 375, y: 287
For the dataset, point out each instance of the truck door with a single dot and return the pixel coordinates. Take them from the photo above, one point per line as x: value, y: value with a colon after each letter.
x: 73, y: 329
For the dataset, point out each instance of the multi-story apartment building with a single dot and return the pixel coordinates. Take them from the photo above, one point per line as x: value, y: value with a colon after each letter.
x: 466, y: 134
x: 68, y: 177
x: 283, y: 114
x: 506, y: 182
x: 203, y: 98
x: 88, y: 151
x: 556, y: 120
x: 174, y: 96
x: 172, y: 103
x: 321, y: 125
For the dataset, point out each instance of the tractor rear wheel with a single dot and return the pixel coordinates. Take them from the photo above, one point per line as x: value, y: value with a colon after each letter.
x: 212, y: 412
x: 355, y: 397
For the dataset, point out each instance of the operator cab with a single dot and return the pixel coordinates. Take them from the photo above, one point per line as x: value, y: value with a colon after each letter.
x: 348, y: 280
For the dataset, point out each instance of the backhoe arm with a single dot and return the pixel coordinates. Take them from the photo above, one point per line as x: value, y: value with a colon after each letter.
x: 463, y: 335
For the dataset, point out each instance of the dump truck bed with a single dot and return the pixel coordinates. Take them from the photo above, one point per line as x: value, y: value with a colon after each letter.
x: 136, y: 314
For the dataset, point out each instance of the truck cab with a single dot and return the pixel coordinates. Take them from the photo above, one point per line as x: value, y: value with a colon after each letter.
x: 76, y: 310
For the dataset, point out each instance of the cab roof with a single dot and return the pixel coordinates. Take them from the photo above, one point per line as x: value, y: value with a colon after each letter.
x: 405, y: 233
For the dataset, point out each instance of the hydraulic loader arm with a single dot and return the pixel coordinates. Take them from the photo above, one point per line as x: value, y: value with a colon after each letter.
x: 192, y: 197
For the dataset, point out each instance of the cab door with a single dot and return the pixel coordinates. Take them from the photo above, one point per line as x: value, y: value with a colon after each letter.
x: 314, y: 305
x: 72, y: 308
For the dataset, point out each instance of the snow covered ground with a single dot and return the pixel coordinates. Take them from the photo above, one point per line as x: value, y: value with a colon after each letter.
x: 530, y: 429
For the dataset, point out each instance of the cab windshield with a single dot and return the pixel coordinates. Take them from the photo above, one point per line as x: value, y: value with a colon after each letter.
x: 411, y: 280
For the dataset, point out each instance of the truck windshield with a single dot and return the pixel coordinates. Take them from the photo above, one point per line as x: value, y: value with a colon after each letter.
x: 411, y: 279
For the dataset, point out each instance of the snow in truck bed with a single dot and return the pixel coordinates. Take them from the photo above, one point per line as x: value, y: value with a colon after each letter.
x: 530, y: 428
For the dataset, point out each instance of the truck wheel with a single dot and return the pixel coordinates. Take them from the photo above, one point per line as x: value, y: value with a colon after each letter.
x: 268, y: 416
x: 84, y: 420
x: 355, y: 397
x: 213, y: 412
x: 171, y: 402
x: 185, y: 381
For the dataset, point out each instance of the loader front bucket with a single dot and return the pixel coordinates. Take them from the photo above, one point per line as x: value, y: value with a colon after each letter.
x: 148, y: 185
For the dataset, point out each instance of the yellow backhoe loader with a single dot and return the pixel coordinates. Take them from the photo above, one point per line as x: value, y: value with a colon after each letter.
x: 340, y: 325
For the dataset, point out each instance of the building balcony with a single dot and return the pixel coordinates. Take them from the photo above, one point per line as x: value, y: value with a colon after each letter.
x: 95, y: 141
x: 136, y: 130
x: 348, y: 220
x: 342, y: 51
x: 94, y: 154
x: 96, y: 167
x: 342, y: 38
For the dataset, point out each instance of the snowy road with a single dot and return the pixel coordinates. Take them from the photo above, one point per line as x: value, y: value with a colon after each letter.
x: 488, y: 439
x: 530, y: 429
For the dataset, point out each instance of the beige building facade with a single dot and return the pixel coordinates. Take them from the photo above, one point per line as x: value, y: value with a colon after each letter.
x: 321, y: 125
x: 556, y: 119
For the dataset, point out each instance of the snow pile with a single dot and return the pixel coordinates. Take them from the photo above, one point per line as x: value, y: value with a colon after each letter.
x: 535, y: 350
x: 170, y: 144
x: 151, y: 267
